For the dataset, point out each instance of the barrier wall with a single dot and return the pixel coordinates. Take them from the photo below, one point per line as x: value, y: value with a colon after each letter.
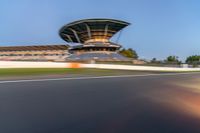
x: 20, y: 64
x: 139, y: 68
x: 26, y: 64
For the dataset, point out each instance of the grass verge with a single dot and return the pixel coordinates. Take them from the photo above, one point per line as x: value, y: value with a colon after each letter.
x: 17, y: 72
x: 45, y: 71
x: 68, y: 71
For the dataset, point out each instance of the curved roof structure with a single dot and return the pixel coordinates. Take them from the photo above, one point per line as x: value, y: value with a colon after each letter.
x: 91, y: 29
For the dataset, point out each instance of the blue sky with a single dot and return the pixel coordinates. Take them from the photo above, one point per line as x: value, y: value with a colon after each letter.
x: 158, y: 27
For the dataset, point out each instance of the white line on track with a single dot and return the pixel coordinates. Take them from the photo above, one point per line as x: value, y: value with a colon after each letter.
x: 100, y: 77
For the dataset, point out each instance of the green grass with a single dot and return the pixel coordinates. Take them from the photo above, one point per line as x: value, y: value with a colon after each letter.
x: 64, y: 71
x: 30, y: 71
x: 60, y: 71
x: 51, y: 71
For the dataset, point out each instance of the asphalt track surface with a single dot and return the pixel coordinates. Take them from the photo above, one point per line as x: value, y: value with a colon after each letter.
x: 128, y: 104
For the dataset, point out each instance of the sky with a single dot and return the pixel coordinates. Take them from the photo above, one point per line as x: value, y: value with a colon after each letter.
x: 159, y: 28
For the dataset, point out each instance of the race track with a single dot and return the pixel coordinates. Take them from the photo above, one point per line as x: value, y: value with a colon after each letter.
x: 132, y: 104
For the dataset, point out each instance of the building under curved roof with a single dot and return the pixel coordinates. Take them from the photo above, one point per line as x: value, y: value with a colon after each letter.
x: 94, y: 36
x: 90, y: 29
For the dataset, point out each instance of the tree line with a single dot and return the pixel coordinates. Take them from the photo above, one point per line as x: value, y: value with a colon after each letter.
x: 191, y: 60
x: 172, y: 59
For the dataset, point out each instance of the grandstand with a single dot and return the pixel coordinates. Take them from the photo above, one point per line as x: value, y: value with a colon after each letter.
x: 34, y: 53
x: 90, y: 39
x: 87, y: 40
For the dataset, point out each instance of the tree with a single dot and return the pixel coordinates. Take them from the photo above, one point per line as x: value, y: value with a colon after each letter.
x: 172, y: 59
x: 154, y: 60
x: 194, y: 59
x: 130, y: 53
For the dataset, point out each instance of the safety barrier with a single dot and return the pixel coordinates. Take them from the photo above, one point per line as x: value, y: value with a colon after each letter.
x: 25, y: 64
x: 139, y: 68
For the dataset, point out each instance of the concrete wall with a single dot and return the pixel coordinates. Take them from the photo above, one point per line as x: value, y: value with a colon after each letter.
x: 21, y: 64
x: 24, y: 64
x: 139, y: 68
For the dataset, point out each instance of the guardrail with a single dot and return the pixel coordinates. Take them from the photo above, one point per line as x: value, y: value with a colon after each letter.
x: 25, y: 64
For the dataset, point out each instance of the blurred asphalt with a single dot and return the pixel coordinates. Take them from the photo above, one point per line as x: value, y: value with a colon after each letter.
x: 149, y: 104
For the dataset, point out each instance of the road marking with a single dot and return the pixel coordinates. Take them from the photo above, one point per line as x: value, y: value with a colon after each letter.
x: 100, y: 77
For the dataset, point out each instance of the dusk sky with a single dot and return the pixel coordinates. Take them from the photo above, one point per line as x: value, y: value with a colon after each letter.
x: 158, y: 27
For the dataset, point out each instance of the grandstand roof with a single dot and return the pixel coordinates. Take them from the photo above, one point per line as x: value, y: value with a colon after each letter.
x: 34, y: 48
x: 87, y: 29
